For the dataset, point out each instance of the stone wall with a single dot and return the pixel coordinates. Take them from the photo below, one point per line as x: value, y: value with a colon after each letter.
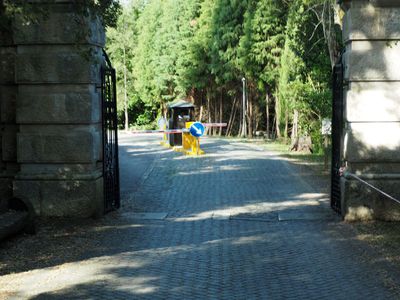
x: 372, y: 115
x: 51, y: 122
x: 8, y: 128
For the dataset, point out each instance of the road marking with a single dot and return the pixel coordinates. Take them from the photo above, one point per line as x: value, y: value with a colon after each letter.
x: 305, y: 216
x: 146, y: 215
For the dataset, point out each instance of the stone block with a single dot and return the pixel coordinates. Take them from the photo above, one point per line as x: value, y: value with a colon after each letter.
x: 371, y: 21
x: 6, y: 34
x: 58, y: 64
x: 3, y: 205
x: 11, y: 168
x: 361, y: 203
x: 380, y: 168
x: 59, y: 144
x: 9, y: 143
x: 60, y: 25
x: 372, y: 61
x: 29, y: 191
x: 7, y: 65
x: 3, y: 167
x: 6, y: 192
x: 60, y: 171
x: 8, y: 96
x: 372, y: 142
x: 373, y: 102
x: 69, y: 198
x: 58, y: 104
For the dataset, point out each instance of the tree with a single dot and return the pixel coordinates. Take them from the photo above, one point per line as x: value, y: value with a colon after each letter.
x: 108, y: 10
x: 201, y: 49
x: 261, y: 47
x: 121, y: 44
x: 163, y: 50
x: 304, y: 74
x: 328, y: 13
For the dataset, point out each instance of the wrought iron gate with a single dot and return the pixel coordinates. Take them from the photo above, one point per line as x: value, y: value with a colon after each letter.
x: 337, y: 133
x: 110, y: 136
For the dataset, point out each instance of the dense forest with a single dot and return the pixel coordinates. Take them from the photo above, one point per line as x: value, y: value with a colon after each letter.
x: 206, y: 51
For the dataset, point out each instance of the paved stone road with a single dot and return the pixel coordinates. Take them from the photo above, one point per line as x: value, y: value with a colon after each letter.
x: 237, y: 223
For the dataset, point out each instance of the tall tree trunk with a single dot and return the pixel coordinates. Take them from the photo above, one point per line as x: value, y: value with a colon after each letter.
x: 215, y: 114
x: 277, y: 119
x: 220, y: 112
x: 243, y: 125
x: 273, y: 135
x: 232, y: 117
x: 201, y: 113
x: 125, y: 93
x: 295, y: 130
x: 285, y: 134
x: 209, y: 132
x: 267, y: 112
x: 250, y: 115
x: 164, y: 110
x: 329, y: 17
x: 257, y: 117
x: 240, y: 132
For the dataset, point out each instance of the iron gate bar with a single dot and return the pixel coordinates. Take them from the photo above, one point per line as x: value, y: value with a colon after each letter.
x: 337, y: 130
x: 110, y: 137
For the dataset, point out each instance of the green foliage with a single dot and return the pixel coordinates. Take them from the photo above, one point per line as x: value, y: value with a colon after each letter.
x: 30, y: 11
x: 181, y: 48
x: 122, y: 47
x: 304, y: 83
x: 161, y: 55
x: 262, y: 43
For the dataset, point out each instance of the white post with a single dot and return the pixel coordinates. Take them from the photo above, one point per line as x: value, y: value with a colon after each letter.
x: 244, y: 126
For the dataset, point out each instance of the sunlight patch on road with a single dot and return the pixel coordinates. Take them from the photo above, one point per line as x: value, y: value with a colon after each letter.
x: 309, y: 200
x: 114, y: 227
x: 248, y: 239
x: 138, y: 284
x: 64, y: 278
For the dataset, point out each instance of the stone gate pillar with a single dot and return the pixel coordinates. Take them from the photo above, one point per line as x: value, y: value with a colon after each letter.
x: 372, y: 107
x: 58, y: 110
x: 8, y: 128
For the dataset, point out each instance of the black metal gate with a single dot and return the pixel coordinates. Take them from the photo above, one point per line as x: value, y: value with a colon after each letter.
x: 337, y: 134
x: 110, y: 136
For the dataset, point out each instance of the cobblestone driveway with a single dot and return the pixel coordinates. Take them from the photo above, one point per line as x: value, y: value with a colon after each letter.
x: 237, y: 223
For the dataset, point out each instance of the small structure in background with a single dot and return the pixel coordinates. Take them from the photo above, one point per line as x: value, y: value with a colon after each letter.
x: 178, y: 113
x: 179, y: 129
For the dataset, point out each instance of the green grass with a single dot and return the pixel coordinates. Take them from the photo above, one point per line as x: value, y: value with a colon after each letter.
x: 283, y: 150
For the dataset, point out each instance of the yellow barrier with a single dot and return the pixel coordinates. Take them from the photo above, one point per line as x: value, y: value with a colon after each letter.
x: 191, y: 144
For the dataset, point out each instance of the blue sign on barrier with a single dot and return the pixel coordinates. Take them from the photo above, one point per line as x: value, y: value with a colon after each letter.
x: 197, y: 129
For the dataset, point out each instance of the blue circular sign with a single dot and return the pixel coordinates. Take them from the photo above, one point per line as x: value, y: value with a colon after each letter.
x: 197, y: 129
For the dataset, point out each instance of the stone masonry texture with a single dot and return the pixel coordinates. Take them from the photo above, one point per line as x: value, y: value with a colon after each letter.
x: 372, y: 122
x: 241, y: 223
x: 58, y: 111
